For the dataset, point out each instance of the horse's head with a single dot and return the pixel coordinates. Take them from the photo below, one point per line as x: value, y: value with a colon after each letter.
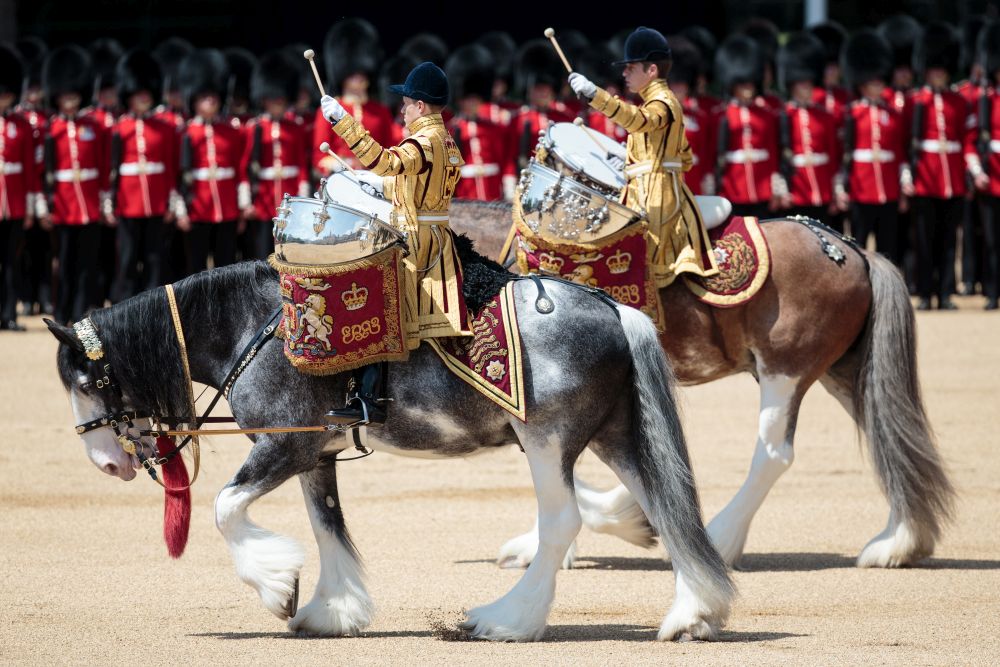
x: 81, y: 377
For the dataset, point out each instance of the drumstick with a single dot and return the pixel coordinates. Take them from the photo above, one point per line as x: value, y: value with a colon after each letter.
x: 551, y: 34
x: 586, y: 130
x: 309, y: 55
x: 325, y: 148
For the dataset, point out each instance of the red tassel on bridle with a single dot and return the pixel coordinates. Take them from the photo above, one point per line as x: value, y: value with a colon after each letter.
x: 177, y: 498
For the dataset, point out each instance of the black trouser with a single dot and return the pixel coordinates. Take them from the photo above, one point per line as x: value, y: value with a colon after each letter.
x: 882, y: 220
x: 259, y: 239
x: 107, y: 266
x: 971, y: 224
x: 217, y: 238
x: 79, y: 264
x: 761, y: 210
x: 140, y: 256
x: 11, y: 233
x: 36, y: 268
x: 937, y: 223
x: 991, y: 241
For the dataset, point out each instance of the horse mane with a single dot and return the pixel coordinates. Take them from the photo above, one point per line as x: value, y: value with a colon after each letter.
x: 482, y: 278
x: 138, y: 333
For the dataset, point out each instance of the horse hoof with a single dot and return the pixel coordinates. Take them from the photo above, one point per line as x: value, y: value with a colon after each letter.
x: 292, y: 606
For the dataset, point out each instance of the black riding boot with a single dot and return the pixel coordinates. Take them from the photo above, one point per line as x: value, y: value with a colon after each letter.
x: 365, y: 403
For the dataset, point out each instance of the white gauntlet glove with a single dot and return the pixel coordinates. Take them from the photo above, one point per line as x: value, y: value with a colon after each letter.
x: 582, y: 86
x: 332, y: 109
x: 370, y: 182
x: 244, y: 197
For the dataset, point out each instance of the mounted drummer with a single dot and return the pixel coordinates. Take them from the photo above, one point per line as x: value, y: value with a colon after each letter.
x: 657, y: 155
x: 419, y: 177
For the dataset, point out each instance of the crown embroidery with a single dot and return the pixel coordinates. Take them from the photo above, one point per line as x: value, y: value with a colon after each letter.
x: 355, y: 298
x: 619, y: 262
x: 550, y: 263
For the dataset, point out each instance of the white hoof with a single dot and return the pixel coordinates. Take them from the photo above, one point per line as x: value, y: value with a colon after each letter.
x: 270, y: 564
x: 506, y: 620
x: 520, y: 551
x: 687, y: 621
x: 729, y: 540
x: 343, y: 616
x: 896, y: 546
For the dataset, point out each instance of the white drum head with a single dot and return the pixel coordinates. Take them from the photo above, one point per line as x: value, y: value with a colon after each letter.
x: 343, y: 188
x: 572, y: 146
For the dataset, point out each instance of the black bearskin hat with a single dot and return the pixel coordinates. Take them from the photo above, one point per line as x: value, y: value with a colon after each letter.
x: 989, y: 50
x: 426, y: 47
x: 33, y: 51
x: 169, y: 53
x: 67, y: 69
x: 105, y: 54
x: 503, y: 48
x: 275, y: 75
x: 802, y: 58
x: 394, y: 69
x: 471, y: 71
x: 739, y: 60
x: 303, y: 73
x: 138, y: 71
x: 203, y: 72
x: 765, y: 34
x: 538, y: 63
x: 971, y: 27
x: 597, y: 64
x: 573, y: 43
x: 832, y: 35
x: 937, y: 47
x: 687, y: 63
x: 11, y: 71
x: 706, y: 43
x: 901, y: 32
x: 867, y: 56
x: 241, y: 64
x: 351, y: 47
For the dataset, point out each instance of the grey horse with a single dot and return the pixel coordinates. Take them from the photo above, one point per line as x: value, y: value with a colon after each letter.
x: 595, y: 376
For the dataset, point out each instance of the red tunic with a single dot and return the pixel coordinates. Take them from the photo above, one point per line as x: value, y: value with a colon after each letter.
x: 834, y: 101
x: 216, y: 149
x: 814, y: 154
x: 148, y: 168
x: 993, y: 148
x: 80, y: 158
x: 487, y: 158
x: 527, y: 125
x: 283, y: 159
x: 880, y: 144
x: 18, y: 176
x: 701, y: 135
x: 750, y: 157
x: 375, y: 117
x: 943, y: 142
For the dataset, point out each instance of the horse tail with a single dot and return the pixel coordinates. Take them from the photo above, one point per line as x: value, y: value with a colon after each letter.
x: 890, y: 411
x: 665, y: 470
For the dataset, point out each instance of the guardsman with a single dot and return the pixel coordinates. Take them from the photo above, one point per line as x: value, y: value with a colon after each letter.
x: 810, y: 153
x: 19, y: 185
x: 488, y: 172
x: 972, y: 89
x: 747, y: 163
x: 237, y: 106
x: 765, y: 34
x: 105, y: 54
x: 76, y: 179
x: 170, y: 53
x: 504, y: 50
x: 211, y: 149
x: 698, y: 123
x: 829, y: 93
x: 351, y: 52
x: 901, y: 31
x: 942, y: 151
x: 706, y: 44
x: 876, y: 141
x: 275, y: 157
x: 144, y: 153
x: 657, y: 155
x: 989, y: 147
x: 539, y: 75
x: 421, y: 174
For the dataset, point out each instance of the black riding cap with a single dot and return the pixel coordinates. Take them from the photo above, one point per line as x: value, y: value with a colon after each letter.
x: 644, y: 45
x: 425, y: 82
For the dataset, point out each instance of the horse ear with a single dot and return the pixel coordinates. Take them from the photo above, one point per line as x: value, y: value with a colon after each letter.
x: 63, y: 334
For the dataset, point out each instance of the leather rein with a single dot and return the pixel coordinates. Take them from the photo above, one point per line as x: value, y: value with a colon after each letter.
x: 119, y: 419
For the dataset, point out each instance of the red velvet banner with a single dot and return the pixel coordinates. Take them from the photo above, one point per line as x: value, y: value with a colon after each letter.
x: 744, y: 261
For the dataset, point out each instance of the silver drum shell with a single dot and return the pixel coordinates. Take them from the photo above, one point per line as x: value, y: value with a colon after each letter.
x: 562, y: 210
x: 315, y: 232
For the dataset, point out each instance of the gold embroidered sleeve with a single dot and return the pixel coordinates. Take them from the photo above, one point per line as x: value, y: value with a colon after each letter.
x: 687, y: 157
x: 406, y: 158
x: 651, y: 116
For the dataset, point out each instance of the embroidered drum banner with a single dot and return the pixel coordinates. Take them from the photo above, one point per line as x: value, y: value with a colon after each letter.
x: 339, y: 317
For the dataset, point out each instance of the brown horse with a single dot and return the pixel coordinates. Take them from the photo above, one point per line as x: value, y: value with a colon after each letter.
x: 848, y: 325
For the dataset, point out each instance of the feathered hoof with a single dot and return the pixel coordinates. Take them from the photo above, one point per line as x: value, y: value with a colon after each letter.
x: 502, y: 621
x: 520, y: 551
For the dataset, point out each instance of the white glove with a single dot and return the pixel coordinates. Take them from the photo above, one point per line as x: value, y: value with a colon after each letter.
x: 332, y: 109
x: 583, y: 86
x: 370, y: 181
x: 244, y: 198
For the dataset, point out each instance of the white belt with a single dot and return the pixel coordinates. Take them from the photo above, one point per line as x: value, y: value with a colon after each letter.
x: 480, y: 170
x: 209, y: 174
x: 937, y: 146
x: 137, y: 168
x: 427, y: 218
x: 271, y: 173
x: 646, y: 166
x: 870, y: 155
x: 995, y: 145
x: 810, y: 159
x: 11, y: 168
x: 747, y: 155
x: 71, y: 175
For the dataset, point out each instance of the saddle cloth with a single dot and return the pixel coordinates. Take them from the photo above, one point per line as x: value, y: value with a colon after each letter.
x: 744, y: 260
